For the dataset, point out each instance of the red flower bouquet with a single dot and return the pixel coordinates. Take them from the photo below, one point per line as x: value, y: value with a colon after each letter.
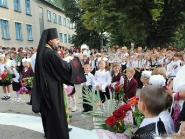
x: 5, y: 76
x: 112, y: 117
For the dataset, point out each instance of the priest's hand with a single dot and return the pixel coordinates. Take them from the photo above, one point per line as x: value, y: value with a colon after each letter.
x: 80, y: 56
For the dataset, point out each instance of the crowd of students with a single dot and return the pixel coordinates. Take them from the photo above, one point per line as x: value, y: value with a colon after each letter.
x: 156, y: 71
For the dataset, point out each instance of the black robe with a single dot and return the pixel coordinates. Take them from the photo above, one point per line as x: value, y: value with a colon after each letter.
x: 48, y: 96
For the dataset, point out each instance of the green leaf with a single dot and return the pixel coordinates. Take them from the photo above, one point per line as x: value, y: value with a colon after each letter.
x: 128, y: 132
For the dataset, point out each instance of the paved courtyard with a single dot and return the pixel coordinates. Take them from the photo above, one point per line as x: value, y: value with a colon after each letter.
x: 15, y: 120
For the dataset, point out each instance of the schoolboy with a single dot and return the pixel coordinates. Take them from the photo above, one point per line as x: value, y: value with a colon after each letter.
x: 130, y: 84
x: 87, y: 86
x: 152, y: 101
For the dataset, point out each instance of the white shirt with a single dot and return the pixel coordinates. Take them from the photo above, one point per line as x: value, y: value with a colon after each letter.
x: 176, y: 66
x: 2, y: 68
x: 8, y: 66
x: 102, y: 78
x: 90, y: 79
x: 17, y: 76
x: 33, y: 58
x: 124, y: 55
x: 168, y: 122
x: 92, y: 64
x: 169, y: 69
x: 147, y: 121
x: 87, y: 53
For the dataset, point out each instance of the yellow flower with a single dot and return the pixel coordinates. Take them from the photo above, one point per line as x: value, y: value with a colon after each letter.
x: 97, y: 104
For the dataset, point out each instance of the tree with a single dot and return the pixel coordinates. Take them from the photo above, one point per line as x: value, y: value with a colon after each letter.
x: 82, y: 35
x: 154, y: 22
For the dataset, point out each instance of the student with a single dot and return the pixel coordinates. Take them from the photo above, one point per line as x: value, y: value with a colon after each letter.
x: 16, y: 84
x: 150, y: 106
x: 130, y: 84
x: 87, y: 85
x: 103, y: 79
x: 117, y: 76
x: 123, y: 64
x: 153, y: 63
x: 4, y: 84
x: 145, y: 76
x: 27, y: 72
x: 92, y: 64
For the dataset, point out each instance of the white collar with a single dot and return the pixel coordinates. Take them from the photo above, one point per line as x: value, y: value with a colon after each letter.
x: 147, y: 121
x: 116, y: 74
x: 129, y: 79
x: 102, y: 70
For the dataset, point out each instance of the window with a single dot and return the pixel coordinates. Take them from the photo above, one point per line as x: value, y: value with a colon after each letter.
x: 17, y: 6
x: 49, y: 15
x: 18, y: 28
x: 28, y: 8
x: 54, y: 18
x: 60, y: 20
x: 61, y: 37
x: 69, y: 23
x: 3, y: 3
x: 5, y: 29
x: 64, y: 21
x: 29, y: 32
x: 65, y: 38
x: 69, y: 37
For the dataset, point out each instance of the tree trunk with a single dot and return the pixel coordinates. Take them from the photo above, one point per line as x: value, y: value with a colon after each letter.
x: 101, y: 40
x: 151, y: 41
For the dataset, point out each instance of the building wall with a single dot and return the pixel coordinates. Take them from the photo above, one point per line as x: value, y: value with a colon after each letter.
x: 21, y: 17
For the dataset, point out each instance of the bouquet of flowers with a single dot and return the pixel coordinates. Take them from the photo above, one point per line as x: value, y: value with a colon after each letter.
x: 113, y: 118
x: 5, y: 76
x: 23, y: 90
x: 137, y: 115
x: 117, y: 90
x: 18, y: 57
x: 27, y: 82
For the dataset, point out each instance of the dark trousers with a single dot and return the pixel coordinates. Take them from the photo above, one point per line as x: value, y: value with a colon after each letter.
x: 86, y: 106
x: 103, y: 94
x: 137, y: 76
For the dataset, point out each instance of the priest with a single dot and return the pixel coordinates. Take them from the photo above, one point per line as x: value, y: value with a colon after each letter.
x: 51, y: 72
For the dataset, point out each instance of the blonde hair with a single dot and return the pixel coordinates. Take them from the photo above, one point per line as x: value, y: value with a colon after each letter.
x: 86, y: 65
x: 131, y: 70
x: 115, y: 64
x: 159, y: 71
x: 106, y: 64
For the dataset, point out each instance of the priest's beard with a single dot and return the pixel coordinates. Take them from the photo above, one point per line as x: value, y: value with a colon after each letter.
x: 54, y: 47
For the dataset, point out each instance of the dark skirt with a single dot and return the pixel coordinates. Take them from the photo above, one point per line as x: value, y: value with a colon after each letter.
x: 16, y: 86
x: 5, y: 83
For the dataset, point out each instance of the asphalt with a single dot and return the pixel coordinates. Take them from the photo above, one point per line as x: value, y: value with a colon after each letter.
x: 15, y: 132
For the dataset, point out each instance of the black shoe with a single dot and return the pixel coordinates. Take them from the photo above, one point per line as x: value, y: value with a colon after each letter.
x: 69, y: 129
x: 85, y: 110
x: 28, y: 103
x: 4, y: 98
x: 7, y: 97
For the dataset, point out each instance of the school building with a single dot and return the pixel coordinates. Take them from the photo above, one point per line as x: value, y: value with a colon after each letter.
x: 22, y: 22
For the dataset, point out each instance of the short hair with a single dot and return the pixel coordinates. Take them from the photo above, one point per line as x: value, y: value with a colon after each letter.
x: 115, y: 64
x: 159, y: 71
x: 130, y: 69
x: 86, y: 65
x: 154, y: 98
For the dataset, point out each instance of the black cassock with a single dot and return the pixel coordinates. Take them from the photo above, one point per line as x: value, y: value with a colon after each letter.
x: 47, y: 93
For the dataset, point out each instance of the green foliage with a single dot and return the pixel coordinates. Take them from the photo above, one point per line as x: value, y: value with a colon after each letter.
x: 138, y: 117
x: 150, y: 23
